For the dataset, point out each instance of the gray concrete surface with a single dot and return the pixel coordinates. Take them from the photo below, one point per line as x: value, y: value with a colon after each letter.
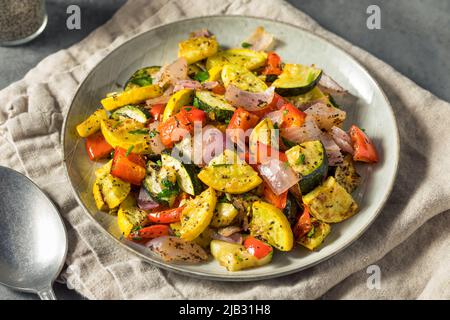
x: 414, y: 39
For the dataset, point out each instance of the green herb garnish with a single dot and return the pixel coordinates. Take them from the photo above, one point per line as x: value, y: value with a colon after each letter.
x: 196, y: 103
x: 246, y: 45
x: 311, y: 232
x: 301, y: 159
x: 201, y: 76
x: 129, y: 150
x: 138, y: 131
x: 159, y: 163
x: 153, y: 133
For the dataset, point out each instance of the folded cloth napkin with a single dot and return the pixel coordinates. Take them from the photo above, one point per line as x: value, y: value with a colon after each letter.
x: 409, y: 240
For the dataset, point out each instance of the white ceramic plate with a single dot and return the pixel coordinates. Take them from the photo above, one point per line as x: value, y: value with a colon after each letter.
x: 371, y: 111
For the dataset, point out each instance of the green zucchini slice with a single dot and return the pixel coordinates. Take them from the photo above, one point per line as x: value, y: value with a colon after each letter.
x: 186, y: 174
x: 309, y: 159
x: 142, y: 77
x: 297, y: 79
x: 292, y: 209
x: 132, y: 112
x: 214, y: 105
x: 161, y: 183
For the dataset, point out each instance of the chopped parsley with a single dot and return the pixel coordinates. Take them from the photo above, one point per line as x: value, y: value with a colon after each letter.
x: 138, y: 131
x: 246, y: 45
x: 301, y: 159
x: 153, y: 133
x: 201, y: 76
x: 129, y: 150
x: 311, y: 232
x: 159, y: 163
x: 196, y: 103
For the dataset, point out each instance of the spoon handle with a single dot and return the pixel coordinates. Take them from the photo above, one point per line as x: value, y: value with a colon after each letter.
x: 46, y: 294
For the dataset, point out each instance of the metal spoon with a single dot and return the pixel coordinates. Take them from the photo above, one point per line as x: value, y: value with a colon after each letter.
x: 33, y: 240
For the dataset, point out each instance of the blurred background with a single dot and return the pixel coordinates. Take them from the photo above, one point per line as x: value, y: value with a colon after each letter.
x: 414, y: 39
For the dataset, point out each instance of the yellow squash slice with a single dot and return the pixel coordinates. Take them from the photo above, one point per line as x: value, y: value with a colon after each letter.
x: 197, y: 215
x: 177, y: 101
x: 269, y: 223
x: 230, y: 178
x: 246, y: 58
x: 235, y: 256
x: 198, y: 48
x: 92, y: 123
x: 316, y: 236
x: 132, y: 96
x: 330, y: 202
x: 119, y: 133
x: 130, y: 216
x: 242, y: 78
x: 215, y: 74
x: 108, y: 190
x: 224, y: 215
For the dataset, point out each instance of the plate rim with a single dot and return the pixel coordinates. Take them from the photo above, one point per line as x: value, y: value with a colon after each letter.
x: 233, y: 277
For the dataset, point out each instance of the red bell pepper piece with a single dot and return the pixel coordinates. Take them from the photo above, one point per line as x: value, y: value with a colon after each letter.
x: 240, y: 122
x: 273, y: 64
x: 303, y: 225
x: 364, y: 149
x: 278, y: 201
x: 152, y: 232
x: 292, y: 117
x: 257, y: 248
x: 166, y: 216
x: 129, y: 167
x: 173, y: 129
x: 157, y: 111
x: 97, y: 147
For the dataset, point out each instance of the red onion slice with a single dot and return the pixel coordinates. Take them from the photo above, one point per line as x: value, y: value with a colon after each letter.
x: 328, y: 85
x: 310, y: 131
x: 195, y: 85
x: 201, y: 33
x: 326, y: 116
x: 213, y: 143
x: 187, y: 84
x: 342, y: 139
x: 275, y: 117
x: 251, y: 101
x: 208, y: 85
x: 156, y: 144
x: 173, y: 249
x: 172, y: 73
x: 163, y: 99
x: 228, y: 231
x: 234, y: 238
x: 278, y: 175
x: 260, y: 40
x: 145, y: 200
x: 307, y: 132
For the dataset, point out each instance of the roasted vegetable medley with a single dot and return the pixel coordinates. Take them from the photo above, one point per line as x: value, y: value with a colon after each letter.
x: 232, y: 152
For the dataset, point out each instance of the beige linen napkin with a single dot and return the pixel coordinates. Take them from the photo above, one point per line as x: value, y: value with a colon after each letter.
x: 409, y: 241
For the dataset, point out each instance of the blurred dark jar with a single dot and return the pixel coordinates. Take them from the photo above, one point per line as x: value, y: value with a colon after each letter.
x: 21, y: 21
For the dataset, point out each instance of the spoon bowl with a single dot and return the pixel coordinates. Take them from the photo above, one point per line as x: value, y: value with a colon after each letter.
x: 33, y: 240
